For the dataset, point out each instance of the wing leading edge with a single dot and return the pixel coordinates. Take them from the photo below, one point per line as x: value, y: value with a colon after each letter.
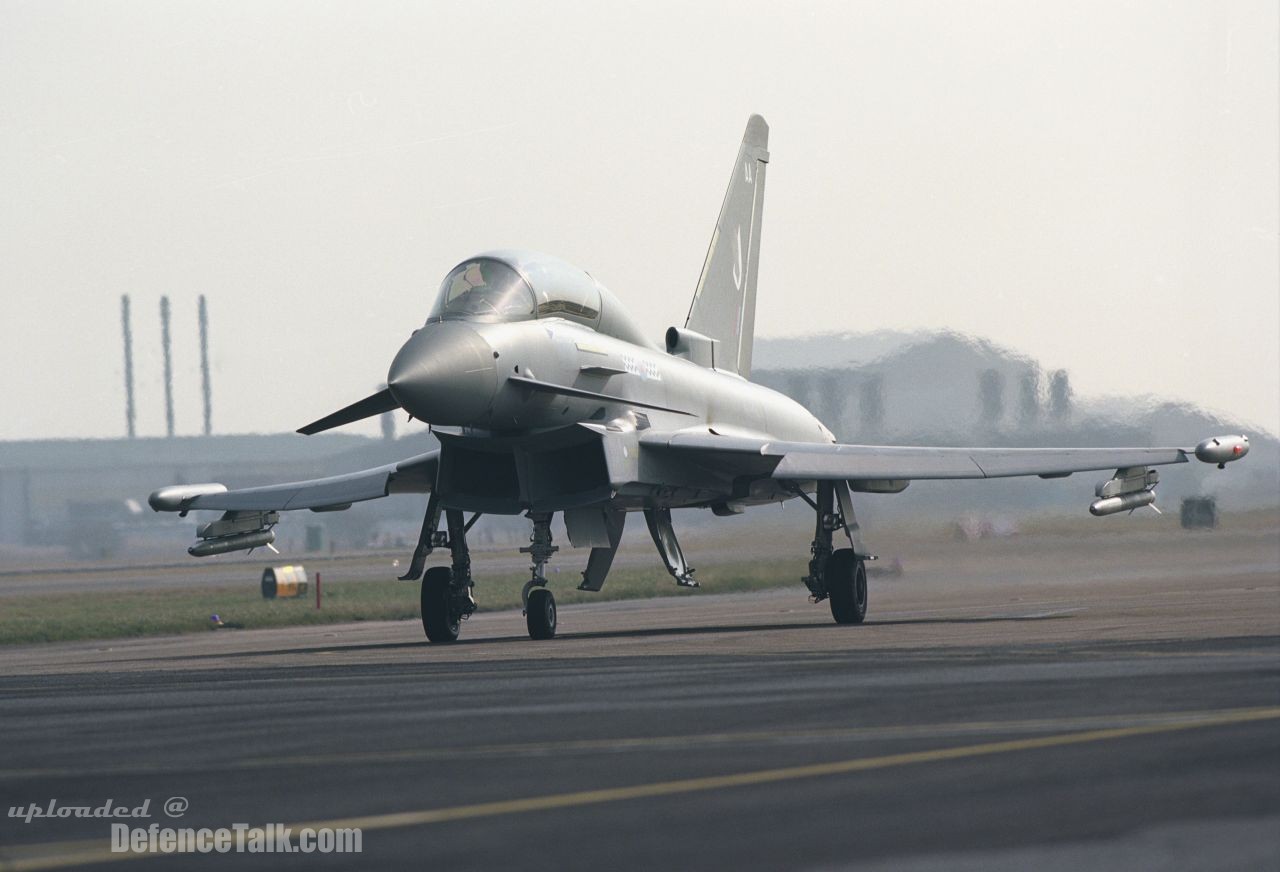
x: 414, y: 475
x: 804, y: 461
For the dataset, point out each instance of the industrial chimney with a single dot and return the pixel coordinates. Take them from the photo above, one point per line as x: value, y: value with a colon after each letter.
x: 168, y: 366
x: 127, y: 327
x: 207, y: 390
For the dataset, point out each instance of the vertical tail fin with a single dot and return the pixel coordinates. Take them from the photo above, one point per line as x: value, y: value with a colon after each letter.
x: 724, y: 305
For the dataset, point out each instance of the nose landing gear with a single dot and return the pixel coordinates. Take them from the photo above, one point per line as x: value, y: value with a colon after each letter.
x: 539, y: 603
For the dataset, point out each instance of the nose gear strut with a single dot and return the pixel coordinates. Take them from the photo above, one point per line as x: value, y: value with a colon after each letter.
x: 538, y: 602
x: 539, y: 550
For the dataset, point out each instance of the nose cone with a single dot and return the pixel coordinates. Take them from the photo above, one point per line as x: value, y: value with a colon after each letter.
x: 445, y: 374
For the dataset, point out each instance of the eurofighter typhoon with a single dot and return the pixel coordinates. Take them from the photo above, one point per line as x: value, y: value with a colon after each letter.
x: 546, y: 398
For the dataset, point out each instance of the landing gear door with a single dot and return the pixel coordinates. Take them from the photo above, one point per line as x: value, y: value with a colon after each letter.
x: 601, y: 558
x: 851, y: 528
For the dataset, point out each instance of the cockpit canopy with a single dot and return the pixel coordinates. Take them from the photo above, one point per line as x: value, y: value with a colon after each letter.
x: 484, y: 289
x: 498, y: 288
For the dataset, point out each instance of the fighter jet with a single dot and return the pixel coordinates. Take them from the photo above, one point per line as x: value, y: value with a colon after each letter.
x: 547, y: 398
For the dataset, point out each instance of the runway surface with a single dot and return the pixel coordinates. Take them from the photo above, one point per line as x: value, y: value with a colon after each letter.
x: 1062, y: 716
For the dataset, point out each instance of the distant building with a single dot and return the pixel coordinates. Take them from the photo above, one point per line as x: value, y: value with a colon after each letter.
x: 892, y: 388
x: 943, y: 384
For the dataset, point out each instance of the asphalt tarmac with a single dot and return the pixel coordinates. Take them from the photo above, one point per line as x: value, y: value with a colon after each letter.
x: 1059, y: 714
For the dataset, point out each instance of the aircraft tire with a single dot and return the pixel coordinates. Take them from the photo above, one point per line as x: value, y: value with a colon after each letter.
x: 846, y: 578
x: 541, y: 614
x: 438, y: 620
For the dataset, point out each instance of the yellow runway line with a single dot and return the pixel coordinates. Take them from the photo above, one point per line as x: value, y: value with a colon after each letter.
x: 66, y: 854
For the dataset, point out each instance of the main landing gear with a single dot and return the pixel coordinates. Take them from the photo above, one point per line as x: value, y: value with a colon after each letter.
x: 447, y: 600
x: 446, y: 592
x: 837, y: 575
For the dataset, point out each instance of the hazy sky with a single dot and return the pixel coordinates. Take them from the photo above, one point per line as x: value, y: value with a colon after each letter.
x: 1093, y: 184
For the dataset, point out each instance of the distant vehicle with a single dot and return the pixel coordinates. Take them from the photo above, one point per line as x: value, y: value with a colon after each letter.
x: 546, y: 397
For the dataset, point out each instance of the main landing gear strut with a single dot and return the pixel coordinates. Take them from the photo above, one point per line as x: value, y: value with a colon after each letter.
x: 837, y: 575
x: 446, y: 593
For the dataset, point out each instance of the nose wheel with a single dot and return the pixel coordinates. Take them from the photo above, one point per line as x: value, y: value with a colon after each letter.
x: 540, y: 614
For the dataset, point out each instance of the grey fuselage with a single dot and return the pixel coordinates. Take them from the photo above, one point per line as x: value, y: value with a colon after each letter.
x: 511, y: 441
